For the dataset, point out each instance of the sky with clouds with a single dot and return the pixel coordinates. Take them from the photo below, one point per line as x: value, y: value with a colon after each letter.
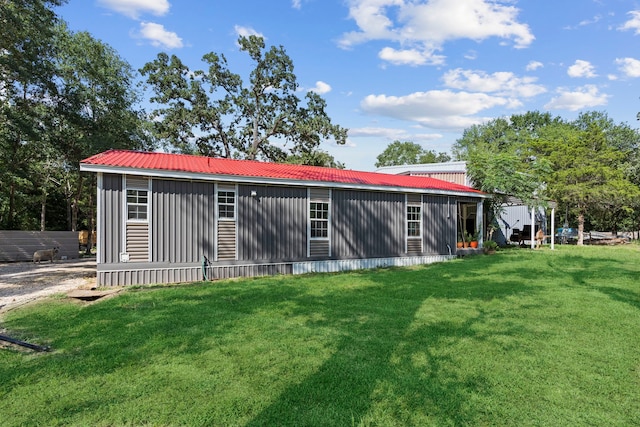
x: 409, y: 70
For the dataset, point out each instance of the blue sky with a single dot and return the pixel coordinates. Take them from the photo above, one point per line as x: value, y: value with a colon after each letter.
x: 409, y: 70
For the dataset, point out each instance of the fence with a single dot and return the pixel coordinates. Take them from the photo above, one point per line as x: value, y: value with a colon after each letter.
x: 20, y: 245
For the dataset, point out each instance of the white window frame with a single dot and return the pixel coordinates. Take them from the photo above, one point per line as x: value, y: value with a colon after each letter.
x: 319, y: 220
x: 134, y: 187
x: 235, y: 204
x: 310, y: 239
x: 413, y: 221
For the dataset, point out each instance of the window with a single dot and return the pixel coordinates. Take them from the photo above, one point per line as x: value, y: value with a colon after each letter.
x: 413, y: 221
x: 137, y: 205
x: 227, y: 204
x: 319, y: 215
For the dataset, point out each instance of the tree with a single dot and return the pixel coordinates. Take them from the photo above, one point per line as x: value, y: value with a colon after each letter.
x: 408, y: 153
x: 587, y: 172
x: 63, y: 96
x: 499, y: 160
x: 213, y: 113
x: 95, y: 111
x: 27, y: 74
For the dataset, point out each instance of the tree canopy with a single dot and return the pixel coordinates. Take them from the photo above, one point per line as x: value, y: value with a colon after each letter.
x: 408, y: 153
x: 65, y: 96
x: 212, y: 112
x: 586, y: 165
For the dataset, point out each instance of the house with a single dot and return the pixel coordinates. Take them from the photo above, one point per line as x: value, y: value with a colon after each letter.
x: 164, y: 218
x: 515, y: 219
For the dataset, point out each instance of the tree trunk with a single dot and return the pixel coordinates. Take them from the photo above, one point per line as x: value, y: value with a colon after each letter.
x: 43, y: 209
x: 12, y: 204
x: 581, y: 229
x: 90, y: 219
x: 68, y: 198
x: 75, y: 205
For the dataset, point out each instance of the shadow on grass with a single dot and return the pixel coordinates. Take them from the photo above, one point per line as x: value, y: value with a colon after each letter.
x: 621, y: 295
x: 378, y: 349
x: 384, y: 353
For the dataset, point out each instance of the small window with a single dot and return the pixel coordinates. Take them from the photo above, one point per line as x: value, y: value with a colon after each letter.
x: 227, y: 204
x: 137, y: 205
x: 413, y: 221
x: 319, y: 215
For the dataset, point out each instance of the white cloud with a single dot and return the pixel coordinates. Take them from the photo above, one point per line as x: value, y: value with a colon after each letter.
x: 442, y: 109
x: 296, y: 4
x: 133, y: 8
x: 423, y: 27
x: 633, y: 23
x: 629, y: 66
x: 501, y: 83
x: 534, y: 65
x: 160, y: 37
x: 410, y: 57
x: 581, y: 69
x: 320, y: 88
x: 246, y: 31
x: 587, y: 96
x: 392, y: 134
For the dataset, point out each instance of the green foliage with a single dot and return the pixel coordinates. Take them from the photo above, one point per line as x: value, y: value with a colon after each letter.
x: 490, y: 245
x: 26, y: 83
x: 213, y: 113
x: 586, y: 165
x: 66, y: 96
x: 408, y: 153
x: 512, y: 339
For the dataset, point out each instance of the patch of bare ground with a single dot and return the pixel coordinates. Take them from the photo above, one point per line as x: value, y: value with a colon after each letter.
x: 24, y: 282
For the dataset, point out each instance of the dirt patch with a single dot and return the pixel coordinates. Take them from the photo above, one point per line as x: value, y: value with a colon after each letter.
x: 23, y: 282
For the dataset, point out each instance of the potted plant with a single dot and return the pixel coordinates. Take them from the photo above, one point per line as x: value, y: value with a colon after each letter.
x: 467, y: 238
x: 489, y: 247
x: 460, y: 241
x: 474, y: 240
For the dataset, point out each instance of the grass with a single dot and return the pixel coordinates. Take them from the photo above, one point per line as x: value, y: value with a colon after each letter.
x: 520, y: 338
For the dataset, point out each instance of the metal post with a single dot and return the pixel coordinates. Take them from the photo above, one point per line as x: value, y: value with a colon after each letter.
x: 533, y: 227
x: 553, y: 228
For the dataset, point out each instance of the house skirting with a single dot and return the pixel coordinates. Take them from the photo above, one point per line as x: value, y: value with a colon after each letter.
x: 332, y: 266
x: 143, y: 274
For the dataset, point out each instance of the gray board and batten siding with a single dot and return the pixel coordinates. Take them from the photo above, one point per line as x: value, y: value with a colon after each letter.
x: 266, y: 230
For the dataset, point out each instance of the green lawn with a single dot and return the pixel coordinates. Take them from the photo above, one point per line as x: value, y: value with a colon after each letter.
x: 520, y: 338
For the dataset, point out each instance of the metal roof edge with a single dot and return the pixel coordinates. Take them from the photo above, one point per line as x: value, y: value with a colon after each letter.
x: 157, y: 173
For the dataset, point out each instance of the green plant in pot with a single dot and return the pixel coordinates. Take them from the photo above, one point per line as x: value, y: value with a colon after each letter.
x: 467, y: 238
x: 489, y: 246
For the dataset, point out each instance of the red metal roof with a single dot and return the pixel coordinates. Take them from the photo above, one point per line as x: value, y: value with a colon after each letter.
x: 277, y: 171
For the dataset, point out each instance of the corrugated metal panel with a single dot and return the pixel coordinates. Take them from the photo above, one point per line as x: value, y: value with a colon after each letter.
x: 319, y: 248
x: 273, y: 224
x: 439, y: 224
x: 320, y: 194
x: 414, y: 246
x: 414, y: 199
x: 182, y: 221
x: 138, y: 241
x: 244, y: 168
x: 226, y: 240
x: 141, y: 183
x: 332, y: 266
x: 20, y: 245
x: 162, y: 274
x: 110, y: 228
x: 367, y: 224
x: 454, y: 177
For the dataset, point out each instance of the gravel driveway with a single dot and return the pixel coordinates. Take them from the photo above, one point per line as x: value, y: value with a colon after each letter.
x: 23, y: 282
